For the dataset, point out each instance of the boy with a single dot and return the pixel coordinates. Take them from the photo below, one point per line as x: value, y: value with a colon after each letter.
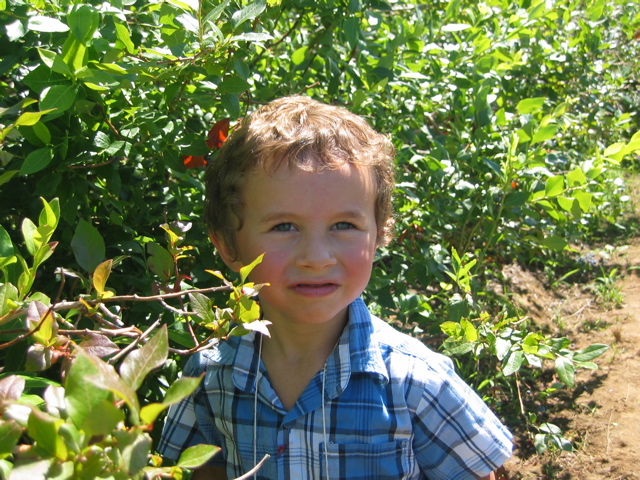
x: 334, y: 392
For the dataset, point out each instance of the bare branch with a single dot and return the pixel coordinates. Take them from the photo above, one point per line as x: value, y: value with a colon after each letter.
x: 255, y: 469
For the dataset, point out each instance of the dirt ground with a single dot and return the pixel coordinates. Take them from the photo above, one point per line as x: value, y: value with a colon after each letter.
x: 601, y: 416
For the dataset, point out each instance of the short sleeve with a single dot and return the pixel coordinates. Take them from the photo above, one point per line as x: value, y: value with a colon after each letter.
x: 457, y: 436
x: 187, y: 423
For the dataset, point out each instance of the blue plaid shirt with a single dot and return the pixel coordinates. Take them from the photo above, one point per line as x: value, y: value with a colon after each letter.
x: 393, y: 409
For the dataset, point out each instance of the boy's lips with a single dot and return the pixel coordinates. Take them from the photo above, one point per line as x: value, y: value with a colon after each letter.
x: 314, y: 289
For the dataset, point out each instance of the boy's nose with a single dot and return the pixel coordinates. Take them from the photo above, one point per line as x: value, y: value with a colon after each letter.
x: 316, y: 252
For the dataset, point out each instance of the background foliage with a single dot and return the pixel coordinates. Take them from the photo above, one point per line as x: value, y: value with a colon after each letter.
x: 513, y: 122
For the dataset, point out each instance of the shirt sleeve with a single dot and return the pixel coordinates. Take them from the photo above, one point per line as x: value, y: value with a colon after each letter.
x: 457, y: 436
x: 187, y: 424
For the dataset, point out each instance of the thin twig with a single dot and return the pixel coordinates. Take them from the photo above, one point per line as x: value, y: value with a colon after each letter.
x: 255, y: 469
x: 133, y: 344
x: 64, y: 305
x: 29, y: 333
x: 114, y: 318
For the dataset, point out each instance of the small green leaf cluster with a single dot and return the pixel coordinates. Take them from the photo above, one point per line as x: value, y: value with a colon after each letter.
x: 80, y: 429
x: 88, y: 422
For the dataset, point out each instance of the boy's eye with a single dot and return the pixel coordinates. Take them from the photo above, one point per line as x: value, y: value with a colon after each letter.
x: 283, y: 227
x: 343, y: 226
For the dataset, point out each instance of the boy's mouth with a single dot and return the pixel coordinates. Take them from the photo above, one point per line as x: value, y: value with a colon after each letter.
x: 314, y: 289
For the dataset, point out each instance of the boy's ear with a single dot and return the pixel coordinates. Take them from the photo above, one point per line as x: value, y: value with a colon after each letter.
x: 225, y: 252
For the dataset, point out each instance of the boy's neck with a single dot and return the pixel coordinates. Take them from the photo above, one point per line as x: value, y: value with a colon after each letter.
x: 295, y: 354
x: 303, y: 343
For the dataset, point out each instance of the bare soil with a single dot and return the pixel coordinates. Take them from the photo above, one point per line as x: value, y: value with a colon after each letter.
x: 601, y: 416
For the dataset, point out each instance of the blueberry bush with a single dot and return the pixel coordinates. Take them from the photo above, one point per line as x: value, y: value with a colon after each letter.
x: 515, y: 124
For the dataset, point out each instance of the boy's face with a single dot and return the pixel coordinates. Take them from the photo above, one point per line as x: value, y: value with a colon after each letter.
x: 318, y: 232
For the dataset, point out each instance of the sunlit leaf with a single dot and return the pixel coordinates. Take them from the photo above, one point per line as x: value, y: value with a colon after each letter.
x: 140, y: 362
x: 566, y: 371
x: 101, y: 275
x: 58, y: 97
x: 513, y: 363
x: 40, y: 23
x: 530, y: 105
x: 247, y: 269
x: 43, y: 428
x: 11, y: 387
x: 196, y: 456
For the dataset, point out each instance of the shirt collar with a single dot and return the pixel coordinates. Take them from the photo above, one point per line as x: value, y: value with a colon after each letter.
x: 357, y: 351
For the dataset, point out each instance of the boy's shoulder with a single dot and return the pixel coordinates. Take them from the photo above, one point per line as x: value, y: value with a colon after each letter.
x: 379, y: 343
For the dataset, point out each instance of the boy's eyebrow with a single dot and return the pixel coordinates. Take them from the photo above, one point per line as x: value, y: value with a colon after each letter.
x: 356, y: 214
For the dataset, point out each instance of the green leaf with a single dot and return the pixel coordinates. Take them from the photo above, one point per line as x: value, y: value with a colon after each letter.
x: 196, y: 456
x: 102, y: 140
x: 7, y: 176
x: 122, y: 32
x: 40, y: 314
x: 566, y: 371
x: 544, y: 133
x: 101, y: 275
x: 555, y: 242
x: 452, y: 329
x: 43, y: 428
x: 58, y: 97
x: 49, y: 217
x: 74, y: 53
x: 83, y: 21
x: 180, y: 389
x: 203, y: 306
x: 40, y: 23
x: 36, y: 161
x: 54, y: 62
x: 88, y: 246
x: 231, y: 104
x: 107, y: 378
x: 104, y: 420
x: 149, y: 413
x: 250, y: 12
x: 234, y: 84
x: 576, y: 178
x: 83, y: 398
x: 567, y: 203
x: 513, y: 363
x: 246, y: 270
x: 10, y: 433
x: 615, y: 151
x: 160, y: 261
x: 135, y: 454
x: 42, y: 132
x: 299, y: 55
x: 32, y: 469
x: 215, y: 12
x: 584, y: 199
x: 351, y: 28
x: 30, y: 118
x: 140, y: 362
x: 530, y: 105
x: 246, y: 310
x: 8, y: 294
x: 554, y: 186
x: 30, y: 234
x: 470, y: 332
x: 591, y: 352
